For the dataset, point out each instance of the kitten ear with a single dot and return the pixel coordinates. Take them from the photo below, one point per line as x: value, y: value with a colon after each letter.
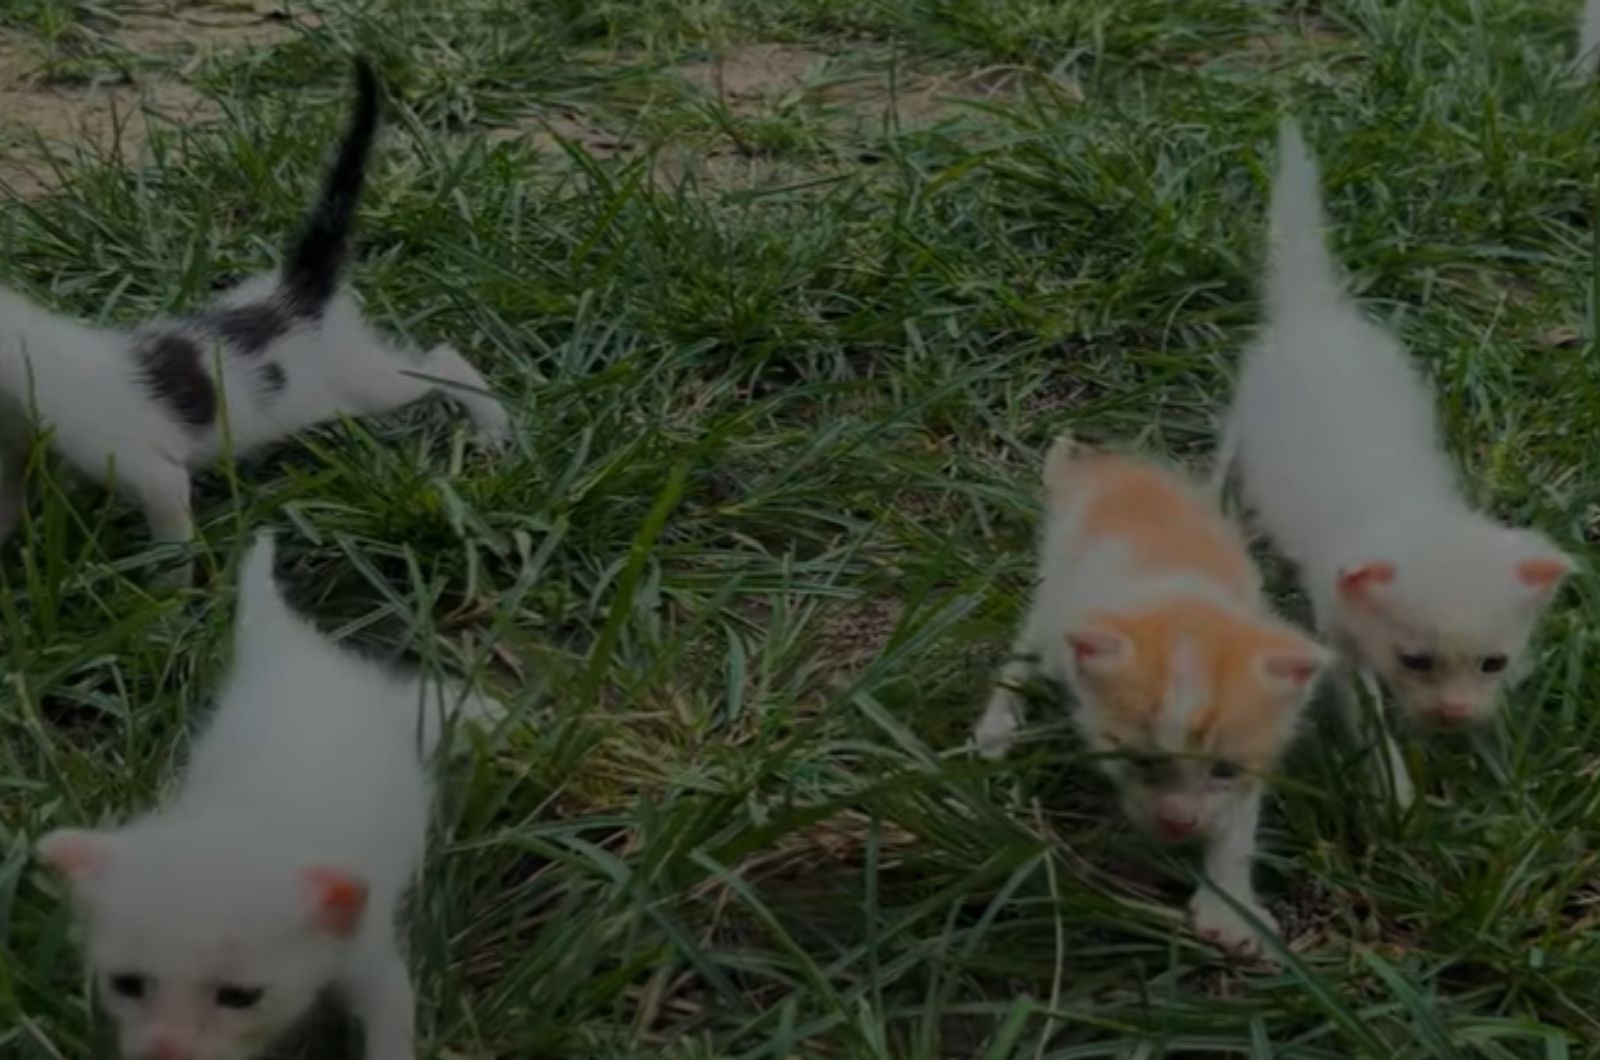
x: 1542, y: 572
x: 1100, y: 649
x: 1357, y: 583
x: 76, y: 853
x: 1294, y: 668
x: 338, y: 900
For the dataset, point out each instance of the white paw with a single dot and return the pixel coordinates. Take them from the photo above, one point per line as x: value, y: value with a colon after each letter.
x: 1215, y: 921
x: 997, y: 729
x: 483, y: 710
x: 1401, y: 786
x: 494, y: 429
x: 471, y: 391
x: 1404, y: 793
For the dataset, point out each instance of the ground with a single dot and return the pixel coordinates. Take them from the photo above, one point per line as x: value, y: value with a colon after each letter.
x: 787, y: 298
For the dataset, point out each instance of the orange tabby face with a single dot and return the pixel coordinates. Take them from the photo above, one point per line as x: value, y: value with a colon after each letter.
x: 1196, y: 698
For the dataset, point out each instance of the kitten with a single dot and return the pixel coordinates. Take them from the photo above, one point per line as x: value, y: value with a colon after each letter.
x: 278, y: 354
x: 1333, y: 433
x: 1150, y: 610
x: 277, y: 869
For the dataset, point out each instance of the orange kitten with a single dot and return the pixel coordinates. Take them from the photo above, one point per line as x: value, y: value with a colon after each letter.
x: 1150, y: 610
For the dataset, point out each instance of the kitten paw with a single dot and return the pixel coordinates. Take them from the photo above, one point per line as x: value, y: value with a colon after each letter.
x: 1398, y: 778
x: 483, y: 710
x: 1215, y: 921
x: 997, y: 729
x: 494, y: 432
x: 1404, y: 793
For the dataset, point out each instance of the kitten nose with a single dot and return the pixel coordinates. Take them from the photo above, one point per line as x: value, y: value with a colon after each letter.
x: 1452, y: 711
x: 169, y: 1049
x: 1176, y: 823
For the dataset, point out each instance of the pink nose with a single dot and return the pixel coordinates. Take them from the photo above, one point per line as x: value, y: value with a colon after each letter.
x: 1452, y: 711
x: 169, y: 1049
x: 1176, y: 825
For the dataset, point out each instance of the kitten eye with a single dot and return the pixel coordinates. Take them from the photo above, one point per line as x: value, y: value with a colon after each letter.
x: 1417, y: 662
x: 1225, y: 770
x: 238, y: 997
x: 1492, y: 664
x: 1147, y: 767
x: 128, y: 985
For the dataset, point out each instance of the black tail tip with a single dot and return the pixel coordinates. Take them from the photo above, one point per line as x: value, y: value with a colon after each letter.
x: 366, y: 84
x: 366, y: 76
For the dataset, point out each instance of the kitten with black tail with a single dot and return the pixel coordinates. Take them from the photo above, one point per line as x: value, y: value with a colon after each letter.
x: 278, y: 868
x: 1335, y: 438
x: 278, y: 354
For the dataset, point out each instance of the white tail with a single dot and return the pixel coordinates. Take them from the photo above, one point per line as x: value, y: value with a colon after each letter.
x: 1063, y: 451
x: 261, y: 603
x: 1589, y: 39
x: 1301, y: 267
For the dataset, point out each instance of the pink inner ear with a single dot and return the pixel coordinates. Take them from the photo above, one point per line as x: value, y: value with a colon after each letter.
x: 338, y: 899
x: 75, y: 854
x: 1543, y: 573
x: 1094, y: 645
x: 1356, y: 581
x: 1298, y: 669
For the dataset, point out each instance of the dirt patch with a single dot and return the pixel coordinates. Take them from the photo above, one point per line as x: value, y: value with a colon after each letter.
x: 115, y: 121
x: 544, y: 131
x: 672, y: 165
x: 1307, y: 39
x: 204, y: 27
x: 853, y: 633
x: 769, y: 116
x: 42, y: 128
x: 755, y: 72
x: 918, y: 100
x: 43, y: 120
x: 733, y: 171
x: 849, y: 92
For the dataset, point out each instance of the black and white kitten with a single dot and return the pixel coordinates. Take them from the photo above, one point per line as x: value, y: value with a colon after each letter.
x: 276, y: 355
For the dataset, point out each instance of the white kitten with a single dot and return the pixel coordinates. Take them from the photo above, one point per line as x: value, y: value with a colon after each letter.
x: 277, y: 869
x: 278, y: 354
x: 1334, y: 434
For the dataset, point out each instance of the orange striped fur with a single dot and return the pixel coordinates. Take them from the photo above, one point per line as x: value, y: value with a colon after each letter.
x: 1149, y: 608
x: 1243, y: 719
x: 1207, y: 672
x: 1165, y: 526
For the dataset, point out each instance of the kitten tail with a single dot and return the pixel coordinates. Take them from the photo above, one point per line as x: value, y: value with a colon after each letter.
x: 1058, y: 461
x: 1589, y: 39
x: 1303, y: 270
x: 261, y: 604
x: 311, y: 270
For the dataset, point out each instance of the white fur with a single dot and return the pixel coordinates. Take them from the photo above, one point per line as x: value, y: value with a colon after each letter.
x: 1589, y: 38
x: 1188, y: 690
x: 1334, y: 435
x: 341, y: 367
x: 1227, y: 867
x: 313, y: 760
x: 80, y: 384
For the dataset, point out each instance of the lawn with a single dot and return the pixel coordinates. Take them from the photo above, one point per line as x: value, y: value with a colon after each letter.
x: 787, y: 297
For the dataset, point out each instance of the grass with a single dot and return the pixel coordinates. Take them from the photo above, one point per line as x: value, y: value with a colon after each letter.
x: 783, y: 366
